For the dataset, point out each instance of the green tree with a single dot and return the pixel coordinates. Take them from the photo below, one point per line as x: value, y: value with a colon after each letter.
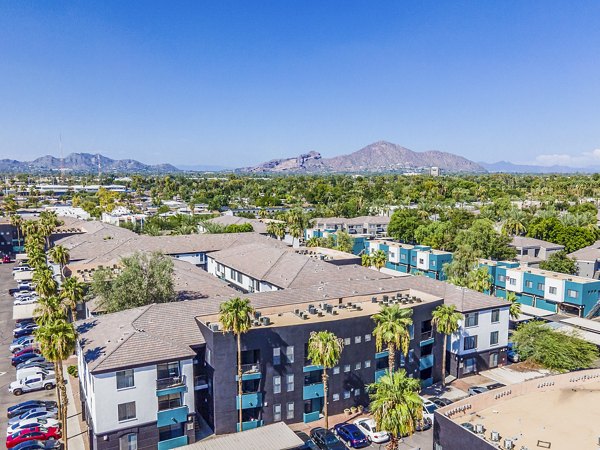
x: 515, y: 307
x: 396, y: 405
x: 404, y: 223
x: 60, y: 255
x: 72, y: 293
x: 325, y: 350
x: 464, y: 261
x: 143, y: 279
x: 536, y: 342
x: 560, y: 262
x: 445, y: 319
x: 486, y: 241
x: 379, y: 259
x: 365, y: 260
x: 391, y: 330
x: 236, y: 317
x: 17, y: 222
x: 45, y: 284
x: 312, y: 242
x: 345, y: 243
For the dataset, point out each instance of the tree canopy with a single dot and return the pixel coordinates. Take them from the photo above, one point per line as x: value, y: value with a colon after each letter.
x: 560, y: 262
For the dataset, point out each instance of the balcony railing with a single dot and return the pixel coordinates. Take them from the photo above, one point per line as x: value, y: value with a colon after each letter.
x: 169, y: 382
x: 250, y: 368
x: 425, y: 335
x: 201, y: 382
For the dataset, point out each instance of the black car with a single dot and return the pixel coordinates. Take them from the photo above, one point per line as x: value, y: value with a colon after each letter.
x: 17, y: 410
x: 493, y: 386
x: 424, y: 425
x: 25, y: 330
x: 16, y: 360
x: 441, y: 401
x: 308, y: 445
x: 326, y: 440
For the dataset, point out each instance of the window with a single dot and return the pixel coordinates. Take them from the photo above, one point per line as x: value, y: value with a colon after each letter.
x: 169, y: 401
x: 529, y: 284
x: 494, y: 338
x: 421, y: 261
x: 470, y: 365
x: 402, y: 256
x: 495, y: 315
x: 276, y: 385
x: 512, y: 281
x: 552, y: 290
x: 501, y: 278
x: 167, y: 370
x: 433, y: 263
x: 470, y: 342
x: 367, y: 338
x: 336, y: 370
x: 357, y: 366
x: 347, y: 368
x: 336, y: 397
x: 290, y: 410
x: 125, y: 379
x: 289, y: 354
x: 356, y: 392
x: 126, y: 411
x: 540, y: 286
x: 357, y: 339
x: 276, y: 356
x: 367, y: 363
x: 277, y: 412
x: 572, y: 293
x: 346, y: 394
x: 471, y: 319
x: 289, y: 380
x: 128, y: 442
x: 347, y: 341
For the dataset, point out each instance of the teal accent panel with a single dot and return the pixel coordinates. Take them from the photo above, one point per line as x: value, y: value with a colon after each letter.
x: 311, y: 416
x: 313, y: 391
x: 173, y: 390
x: 311, y: 368
x: 251, y: 400
x: 172, y: 443
x: 545, y: 304
x: 379, y: 374
x: 427, y: 341
x: 382, y: 354
x: 250, y: 376
x: 526, y: 300
x: 426, y: 382
x: 250, y: 425
x: 426, y: 362
x: 172, y: 416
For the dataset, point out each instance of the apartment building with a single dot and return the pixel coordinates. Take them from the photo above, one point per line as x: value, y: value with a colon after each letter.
x: 412, y: 259
x: 372, y: 226
x: 588, y: 260
x: 551, y: 291
x: 532, y: 251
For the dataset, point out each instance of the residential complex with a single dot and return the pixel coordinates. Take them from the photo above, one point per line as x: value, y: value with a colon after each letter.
x: 532, y: 251
x: 372, y: 226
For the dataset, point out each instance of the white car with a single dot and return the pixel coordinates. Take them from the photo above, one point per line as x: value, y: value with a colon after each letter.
x: 428, y: 408
x: 25, y: 285
x: 22, y: 268
x: 369, y: 428
x: 32, y: 383
x: 29, y: 300
x: 35, y: 413
x: 29, y: 423
x: 21, y: 343
x: 21, y: 294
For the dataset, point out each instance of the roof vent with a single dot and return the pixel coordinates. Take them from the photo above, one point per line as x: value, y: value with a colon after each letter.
x: 495, y: 436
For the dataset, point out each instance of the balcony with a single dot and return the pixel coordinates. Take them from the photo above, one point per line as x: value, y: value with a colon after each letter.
x: 383, y: 354
x: 250, y: 425
x: 426, y: 338
x: 249, y: 400
x: 311, y: 416
x: 313, y: 391
x: 200, y: 382
x: 250, y: 371
x: 426, y: 362
x: 379, y: 373
x: 311, y: 368
x: 172, y: 416
x: 172, y: 443
x: 170, y: 385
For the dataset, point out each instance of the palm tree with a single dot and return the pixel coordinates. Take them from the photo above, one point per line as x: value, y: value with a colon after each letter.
x: 296, y: 231
x: 396, y: 405
x: 72, y: 294
x: 378, y: 259
x: 280, y: 230
x: 30, y: 227
x: 57, y: 342
x: 48, y: 224
x: 445, y: 318
x: 366, y: 260
x: 46, y: 285
x: 325, y: 350
x: 60, y: 255
x: 515, y: 307
x: 235, y: 316
x: 313, y: 242
x: 392, y: 330
x: 17, y: 222
x: 272, y: 228
x: 36, y: 257
x: 48, y: 310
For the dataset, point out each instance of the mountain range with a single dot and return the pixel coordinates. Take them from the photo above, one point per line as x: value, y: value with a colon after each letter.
x: 508, y: 167
x: 380, y: 156
x: 83, y: 163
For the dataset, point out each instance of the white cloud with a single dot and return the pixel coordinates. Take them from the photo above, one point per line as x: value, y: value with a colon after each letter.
x: 582, y: 160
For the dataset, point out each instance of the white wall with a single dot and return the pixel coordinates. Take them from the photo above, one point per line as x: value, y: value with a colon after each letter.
x: 423, y: 260
x: 483, y: 330
x: 560, y: 289
x: 516, y: 275
x: 192, y: 258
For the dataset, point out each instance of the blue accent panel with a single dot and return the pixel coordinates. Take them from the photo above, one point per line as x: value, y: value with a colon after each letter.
x: 426, y: 362
x: 526, y: 300
x: 427, y: 341
x: 311, y: 368
x: 311, y: 416
x: 173, y: 390
x: 251, y: 400
x: 173, y: 443
x: 250, y: 376
x: 172, y: 416
x: 382, y: 354
x: 500, y: 271
x: 545, y: 304
x: 313, y: 391
x: 426, y: 382
x: 379, y: 374
x: 250, y: 425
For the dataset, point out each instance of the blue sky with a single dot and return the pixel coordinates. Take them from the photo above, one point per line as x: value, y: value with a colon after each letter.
x: 235, y: 83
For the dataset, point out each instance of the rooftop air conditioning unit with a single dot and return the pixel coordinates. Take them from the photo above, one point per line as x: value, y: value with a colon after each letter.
x: 479, y: 428
x: 495, y: 436
x: 214, y: 327
x: 508, y: 444
x: 265, y: 321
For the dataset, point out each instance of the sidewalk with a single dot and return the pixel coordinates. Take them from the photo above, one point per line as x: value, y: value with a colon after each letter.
x: 75, y: 435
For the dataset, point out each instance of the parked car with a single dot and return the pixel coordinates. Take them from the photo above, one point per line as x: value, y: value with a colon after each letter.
x: 22, y: 293
x: 32, y: 383
x: 21, y: 322
x: 29, y: 423
x: 474, y: 390
x: 41, y: 412
x: 20, y: 408
x: 6, y: 259
x: 21, y: 268
x: 491, y: 387
x: 29, y: 349
x: 37, y: 445
x: 326, y: 440
x: 369, y: 428
x: 428, y: 408
x: 21, y: 343
x: 440, y: 402
x: 29, y: 300
x: 424, y: 425
x: 351, y: 435
x: 32, y: 434
x: 38, y: 361
x: 22, y: 357
x: 308, y: 445
x: 25, y: 330
x: 34, y: 370
x: 512, y: 354
x: 25, y: 285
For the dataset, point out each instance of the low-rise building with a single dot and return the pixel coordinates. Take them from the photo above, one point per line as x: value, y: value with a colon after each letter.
x: 372, y: 226
x: 588, y: 260
x: 532, y: 251
x: 122, y: 215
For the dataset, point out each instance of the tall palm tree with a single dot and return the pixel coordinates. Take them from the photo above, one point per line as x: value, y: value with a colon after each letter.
x: 378, y: 259
x: 60, y: 255
x: 57, y: 342
x: 392, y: 330
x: 325, y: 350
x: 17, y: 222
x: 46, y: 285
x: 280, y: 230
x: 49, y: 309
x: 515, y: 307
x: 296, y: 231
x: 446, y: 319
x: 235, y: 316
x: 72, y: 294
x: 49, y: 222
x: 36, y: 257
x: 30, y: 227
x: 396, y: 405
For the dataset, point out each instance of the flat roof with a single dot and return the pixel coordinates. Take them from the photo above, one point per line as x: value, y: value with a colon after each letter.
x: 582, y: 323
x: 549, y: 274
x: 534, y: 312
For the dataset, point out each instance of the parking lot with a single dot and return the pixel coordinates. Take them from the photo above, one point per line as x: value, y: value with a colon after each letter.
x: 7, y: 372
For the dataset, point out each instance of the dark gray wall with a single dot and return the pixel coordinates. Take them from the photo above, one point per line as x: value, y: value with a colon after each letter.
x: 451, y: 436
x: 483, y: 360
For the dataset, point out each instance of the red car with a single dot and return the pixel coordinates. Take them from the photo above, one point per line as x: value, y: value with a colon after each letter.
x: 6, y: 259
x: 27, y: 350
x: 32, y: 434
